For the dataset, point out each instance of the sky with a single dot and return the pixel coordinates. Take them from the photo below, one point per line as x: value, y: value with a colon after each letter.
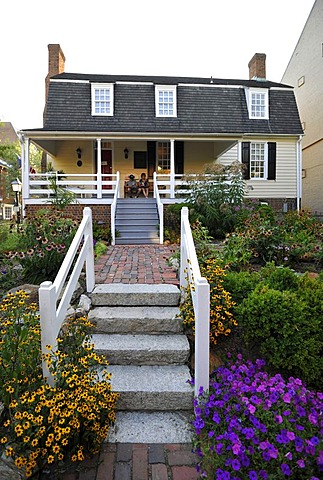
x: 139, y: 37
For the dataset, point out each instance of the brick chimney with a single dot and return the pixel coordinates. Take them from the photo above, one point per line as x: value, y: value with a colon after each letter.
x: 56, y: 63
x: 257, y: 67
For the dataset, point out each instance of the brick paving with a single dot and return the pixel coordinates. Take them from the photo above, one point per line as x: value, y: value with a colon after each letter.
x: 136, y: 264
x: 136, y: 462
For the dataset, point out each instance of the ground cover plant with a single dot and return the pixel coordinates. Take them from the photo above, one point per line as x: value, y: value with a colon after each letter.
x: 40, y: 424
x: 255, y: 426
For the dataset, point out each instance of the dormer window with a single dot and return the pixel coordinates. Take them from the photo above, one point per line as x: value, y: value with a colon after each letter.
x: 165, y: 99
x: 257, y: 101
x: 102, y: 99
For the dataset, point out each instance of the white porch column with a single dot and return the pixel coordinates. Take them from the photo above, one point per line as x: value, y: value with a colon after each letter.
x: 172, y: 169
x: 25, y: 168
x: 99, y: 168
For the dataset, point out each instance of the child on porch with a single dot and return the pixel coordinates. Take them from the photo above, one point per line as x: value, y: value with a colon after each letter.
x: 143, y: 185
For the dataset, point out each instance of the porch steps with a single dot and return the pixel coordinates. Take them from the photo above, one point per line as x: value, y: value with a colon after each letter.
x: 138, y: 330
x: 136, y: 221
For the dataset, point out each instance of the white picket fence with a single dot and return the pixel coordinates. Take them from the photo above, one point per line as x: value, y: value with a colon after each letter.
x: 52, y: 311
x: 200, y: 292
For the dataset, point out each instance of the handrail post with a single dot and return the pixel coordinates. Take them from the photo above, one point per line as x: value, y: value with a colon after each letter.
x: 47, y: 311
x: 200, y: 293
x: 183, y: 253
x: 89, y: 262
x: 202, y: 336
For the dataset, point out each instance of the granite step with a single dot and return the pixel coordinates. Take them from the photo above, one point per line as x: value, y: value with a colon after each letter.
x: 153, y: 387
x: 142, y: 349
x: 118, y: 294
x: 151, y: 427
x: 142, y: 319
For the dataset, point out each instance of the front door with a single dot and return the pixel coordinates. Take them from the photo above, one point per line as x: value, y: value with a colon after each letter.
x: 106, y: 167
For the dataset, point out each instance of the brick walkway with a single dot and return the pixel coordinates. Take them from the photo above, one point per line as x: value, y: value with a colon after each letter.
x: 136, y: 264
x: 126, y: 461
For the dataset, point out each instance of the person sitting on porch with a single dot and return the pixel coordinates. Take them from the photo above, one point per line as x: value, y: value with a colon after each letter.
x: 143, y: 185
x: 132, y: 188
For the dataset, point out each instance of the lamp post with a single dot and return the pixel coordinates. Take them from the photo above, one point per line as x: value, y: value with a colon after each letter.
x: 16, y: 188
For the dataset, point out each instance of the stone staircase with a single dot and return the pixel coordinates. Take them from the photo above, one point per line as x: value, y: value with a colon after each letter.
x: 136, y: 221
x: 137, y: 330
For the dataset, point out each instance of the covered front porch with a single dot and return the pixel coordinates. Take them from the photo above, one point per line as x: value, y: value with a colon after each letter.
x: 96, y: 169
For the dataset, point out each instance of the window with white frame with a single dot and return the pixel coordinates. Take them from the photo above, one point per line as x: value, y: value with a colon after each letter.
x: 165, y: 99
x: 102, y: 99
x: 258, y: 160
x: 257, y: 100
x: 7, y: 213
x: 163, y: 157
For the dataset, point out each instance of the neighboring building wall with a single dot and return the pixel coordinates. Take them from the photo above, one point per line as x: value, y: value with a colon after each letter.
x: 305, y: 73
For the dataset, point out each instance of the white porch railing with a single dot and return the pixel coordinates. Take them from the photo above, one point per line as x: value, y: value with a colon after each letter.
x: 84, y: 186
x: 160, y: 210
x: 113, y: 210
x: 200, y: 293
x: 51, y: 315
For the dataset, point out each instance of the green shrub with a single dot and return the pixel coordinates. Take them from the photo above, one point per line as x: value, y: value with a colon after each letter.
x: 278, y: 323
x: 100, y: 248
x: 101, y: 233
x: 280, y: 278
x: 172, y: 221
x: 240, y: 284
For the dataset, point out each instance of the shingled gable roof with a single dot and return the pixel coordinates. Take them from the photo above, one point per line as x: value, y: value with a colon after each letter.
x: 204, y: 106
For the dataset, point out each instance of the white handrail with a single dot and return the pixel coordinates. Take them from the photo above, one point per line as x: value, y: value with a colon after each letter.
x: 160, y: 210
x: 200, y: 293
x: 113, y: 210
x: 51, y: 317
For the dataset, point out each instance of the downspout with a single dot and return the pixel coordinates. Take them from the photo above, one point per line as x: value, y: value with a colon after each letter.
x: 299, y: 173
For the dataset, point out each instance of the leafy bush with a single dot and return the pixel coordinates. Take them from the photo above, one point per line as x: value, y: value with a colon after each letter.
x: 254, y: 426
x: 100, y: 248
x: 43, y: 243
x: 101, y: 233
x: 221, y: 304
x: 172, y: 221
x: 240, y: 284
x: 286, y: 327
x: 40, y: 424
x: 215, y: 196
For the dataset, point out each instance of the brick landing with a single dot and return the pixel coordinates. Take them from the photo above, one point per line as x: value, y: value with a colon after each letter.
x: 126, y: 461
x: 136, y: 264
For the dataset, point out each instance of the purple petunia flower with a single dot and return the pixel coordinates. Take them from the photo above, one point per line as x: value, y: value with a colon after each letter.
x: 236, y: 464
x: 301, y: 463
x: 253, y: 475
x: 285, y: 469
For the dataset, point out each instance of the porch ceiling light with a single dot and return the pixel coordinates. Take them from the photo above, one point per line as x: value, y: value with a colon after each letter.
x: 126, y: 153
x: 79, y: 153
x: 16, y: 185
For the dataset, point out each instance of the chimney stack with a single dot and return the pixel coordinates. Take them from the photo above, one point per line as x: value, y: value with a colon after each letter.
x: 56, y: 65
x: 257, y: 67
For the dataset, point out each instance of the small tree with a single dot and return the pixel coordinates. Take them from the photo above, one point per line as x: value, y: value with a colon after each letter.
x: 215, y: 194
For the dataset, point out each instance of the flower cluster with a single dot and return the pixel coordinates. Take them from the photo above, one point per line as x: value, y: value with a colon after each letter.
x: 221, y: 303
x: 43, y: 243
x: 251, y: 425
x: 266, y: 237
x: 41, y: 424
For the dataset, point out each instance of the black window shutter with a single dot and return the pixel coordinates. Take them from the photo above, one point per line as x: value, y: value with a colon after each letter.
x: 245, y: 157
x: 179, y: 157
x: 271, y: 160
x: 151, y: 158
